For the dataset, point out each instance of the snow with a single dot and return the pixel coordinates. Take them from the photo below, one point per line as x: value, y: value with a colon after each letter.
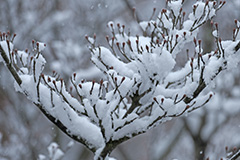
x: 215, y: 33
x: 110, y: 60
x: 70, y: 144
x: 38, y: 66
x: 175, y: 6
x: 54, y: 152
x: 6, y: 48
x: 212, y: 69
x: 41, y: 157
x: 23, y: 57
x: 41, y: 46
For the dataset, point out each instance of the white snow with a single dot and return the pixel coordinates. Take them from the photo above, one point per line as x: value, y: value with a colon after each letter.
x: 6, y: 48
x: 55, y: 153
x: 175, y: 6
x: 41, y: 46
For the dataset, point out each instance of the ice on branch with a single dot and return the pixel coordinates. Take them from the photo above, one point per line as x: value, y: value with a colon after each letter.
x: 142, y: 87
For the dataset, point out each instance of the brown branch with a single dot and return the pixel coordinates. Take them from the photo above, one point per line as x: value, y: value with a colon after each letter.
x: 50, y: 117
x: 63, y: 127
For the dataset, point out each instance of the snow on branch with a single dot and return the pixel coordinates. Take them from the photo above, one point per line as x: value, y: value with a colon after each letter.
x: 142, y: 87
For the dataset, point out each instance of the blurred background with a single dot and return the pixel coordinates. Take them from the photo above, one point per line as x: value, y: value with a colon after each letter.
x: 62, y: 25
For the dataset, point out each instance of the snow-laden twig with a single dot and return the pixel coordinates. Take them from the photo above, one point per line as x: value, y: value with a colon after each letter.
x: 142, y: 88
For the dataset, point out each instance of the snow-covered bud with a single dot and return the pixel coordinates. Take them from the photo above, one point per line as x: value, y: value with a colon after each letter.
x: 226, y: 148
x: 184, y: 34
x: 177, y: 36
x: 137, y: 41
x: 235, y: 149
x: 163, y: 11
x: 118, y: 25
x: 133, y: 9
x: 191, y: 64
x: 220, y: 40
x: 115, y: 79
x: 194, y: 7
x: 155, y: 99
x: 42, y: 75
x: 234, y: 31
x: 70, y: 89
x: 184, y: 13
x: 26, y: 50
x: 187, y: 107
x: 211, y: 23
x: 129, y: 42
x: 236, y: 22
x: 147, y: 48
x: 162, y: 100
x: 14, y: 35
x: 117, y: 44
x: 216, y: 25
x: 195, y: 41
x: 111, y: 67
x: 93, y: 82
x: 123, y: 78
x: 80, y: 86
x: 209, y: 56
x: 199, y: 42
x: 74, y: 75
x: 101, y: 81
x: 192, y: 59
x: 54, y: 82
x: 94, y: 36
x: 206, y: 2
x: 210, y: 96
x: 107, y: 38
x: 123, y: 44
x: 86, y: 37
